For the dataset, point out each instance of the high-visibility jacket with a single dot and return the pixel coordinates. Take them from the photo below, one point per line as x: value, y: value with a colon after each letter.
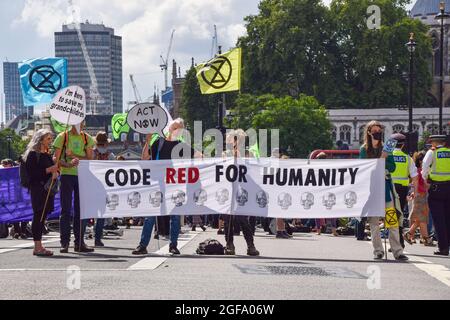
x: 440, y: 169
x: 401, y: 173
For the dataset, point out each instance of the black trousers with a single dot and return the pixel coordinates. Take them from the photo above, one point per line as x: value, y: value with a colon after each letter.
x: 243, y: 223
x: 38, y: 197
x: 402, y: 192
x: 439, y: 203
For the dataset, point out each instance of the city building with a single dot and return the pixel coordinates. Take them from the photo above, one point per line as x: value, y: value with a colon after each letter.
x: 426, y: 11
x: 13, y: 93
x: 349, y: 124
x: 104, y: 49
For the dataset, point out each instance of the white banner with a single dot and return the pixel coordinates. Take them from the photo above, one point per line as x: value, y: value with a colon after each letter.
x: 264, y: 187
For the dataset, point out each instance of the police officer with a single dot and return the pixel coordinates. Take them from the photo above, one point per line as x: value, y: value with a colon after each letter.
x: 436, y: 168
x: 405, y: 169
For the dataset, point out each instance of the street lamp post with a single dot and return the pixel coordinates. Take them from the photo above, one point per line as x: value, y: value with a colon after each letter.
x: 9, y: 140
x: 411, y: 48
x: 441, y: 16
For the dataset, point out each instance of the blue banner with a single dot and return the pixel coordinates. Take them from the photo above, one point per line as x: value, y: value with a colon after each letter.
x: 15, y: 201
x: 41, y: 79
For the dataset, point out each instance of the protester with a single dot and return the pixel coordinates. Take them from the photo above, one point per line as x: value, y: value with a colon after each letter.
x: 101, y: 152
x: 419, y: 209
x: 436, y: 169
x: 235, y: 140
x: 373, y: 149
x: 162, y: 149
x: 40, y: 170
x: 71, y: 147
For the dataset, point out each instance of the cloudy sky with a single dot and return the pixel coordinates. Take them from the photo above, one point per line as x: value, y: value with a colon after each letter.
x: 28, y: 26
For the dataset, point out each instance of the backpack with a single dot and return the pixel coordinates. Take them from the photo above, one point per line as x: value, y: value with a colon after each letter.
x: 24, y: 179
x: 210, y: 247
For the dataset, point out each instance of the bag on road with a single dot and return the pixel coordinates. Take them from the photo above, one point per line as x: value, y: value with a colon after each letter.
x: 210, y: 247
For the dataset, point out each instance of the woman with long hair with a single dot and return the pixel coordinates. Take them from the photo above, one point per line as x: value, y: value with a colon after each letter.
x: 40, y: 169
x: 419, y: 214
x: 373, y: 149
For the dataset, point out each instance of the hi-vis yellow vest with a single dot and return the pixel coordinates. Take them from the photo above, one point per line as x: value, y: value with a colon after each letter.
x: 401, y: 173
x: 440, y: 170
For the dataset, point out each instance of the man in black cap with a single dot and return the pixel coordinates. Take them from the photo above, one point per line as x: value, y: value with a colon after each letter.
x: 405, y: 172
x: 436, y: 168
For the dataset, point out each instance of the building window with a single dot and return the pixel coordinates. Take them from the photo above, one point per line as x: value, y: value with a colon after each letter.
x: 345, y: 134
x: 398, y: 128
x: 416, y: 128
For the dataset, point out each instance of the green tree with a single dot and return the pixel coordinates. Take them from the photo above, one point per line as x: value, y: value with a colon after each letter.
x: 195, y: 106
x: 375, y: 61
x: 301, y: 46
x: 303, y: 122
x: 17, y: 144
x: 290, y: 49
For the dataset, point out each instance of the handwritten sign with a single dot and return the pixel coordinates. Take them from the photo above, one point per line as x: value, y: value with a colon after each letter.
x: 147, y: 118
x: 68, y: 106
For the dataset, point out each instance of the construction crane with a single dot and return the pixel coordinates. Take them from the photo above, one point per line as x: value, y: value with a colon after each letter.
x: 215, y: 43
x: 165, y: 63
x: 137, y: 95
x: 94, y: 94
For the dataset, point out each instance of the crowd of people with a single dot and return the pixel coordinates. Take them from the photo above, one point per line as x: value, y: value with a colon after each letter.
x: 417, y: 188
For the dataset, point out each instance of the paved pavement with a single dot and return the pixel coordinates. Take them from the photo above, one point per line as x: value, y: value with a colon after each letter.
x: 305, y: 267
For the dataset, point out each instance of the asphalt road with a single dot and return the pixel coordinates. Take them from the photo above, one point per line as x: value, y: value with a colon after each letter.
x: 305, y: 267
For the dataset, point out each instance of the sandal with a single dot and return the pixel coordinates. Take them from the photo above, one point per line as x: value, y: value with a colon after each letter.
x: 407, y: 236
x: 43, y: 253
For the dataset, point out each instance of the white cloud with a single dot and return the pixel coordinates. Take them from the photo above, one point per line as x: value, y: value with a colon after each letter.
x: 145, y: 27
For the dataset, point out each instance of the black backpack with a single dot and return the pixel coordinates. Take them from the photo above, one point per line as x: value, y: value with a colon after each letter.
x: 24, y: 179
x: 210, y: 247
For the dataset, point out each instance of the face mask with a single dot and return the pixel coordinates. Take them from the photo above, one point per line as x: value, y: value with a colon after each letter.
x: 377, y: 136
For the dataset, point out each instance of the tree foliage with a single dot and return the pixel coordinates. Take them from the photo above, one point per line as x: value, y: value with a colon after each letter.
x: 303, y: 122
x: 17, y: 144
x: 295, y: 47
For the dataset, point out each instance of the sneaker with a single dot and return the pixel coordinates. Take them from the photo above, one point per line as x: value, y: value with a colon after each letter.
x: 83, y: 249
x: 220, y: 231
x: 174, y: 250
x: 140, y: 250
x: 378, y: 256
x: 23, y: 236
x: 64, y: 249
x: 401, y: 257
x: 203, y: 228
x: 230, y: 250
x: 290, y: 235
x: 16, y: 236
x: 251, y: 251
x: 99, y: 243
x: 440, y: 253
x: 282, y: 235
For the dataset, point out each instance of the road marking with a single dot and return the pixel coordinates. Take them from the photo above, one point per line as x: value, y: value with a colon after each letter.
x: 151, y: 263
x: 437, y: 271
x: 24, y: 245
